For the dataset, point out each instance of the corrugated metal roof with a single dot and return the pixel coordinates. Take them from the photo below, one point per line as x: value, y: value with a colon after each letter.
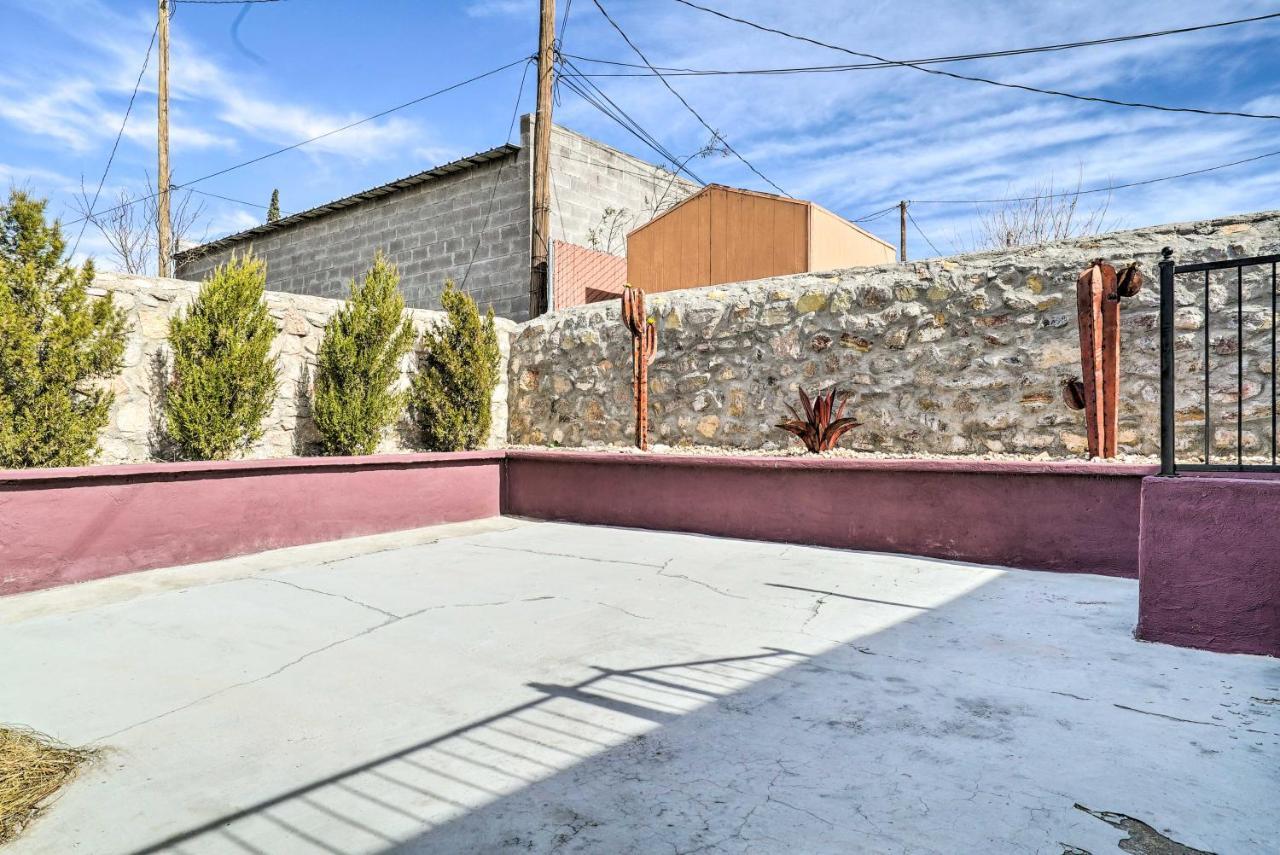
x: 346, y: 202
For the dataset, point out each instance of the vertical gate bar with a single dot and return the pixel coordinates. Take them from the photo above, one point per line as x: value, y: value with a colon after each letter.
x: 1167, y: 466
x: 1273, y: 363
x: 1208, y: 431
x: 1240, y: 367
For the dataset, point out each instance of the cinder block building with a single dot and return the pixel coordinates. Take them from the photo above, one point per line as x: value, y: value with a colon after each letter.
x: 433, y: 223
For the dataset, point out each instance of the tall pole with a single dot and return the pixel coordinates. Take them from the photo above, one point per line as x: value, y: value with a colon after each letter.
x: 542, y: 164
x: 902, y: 230
x: 164, y: 238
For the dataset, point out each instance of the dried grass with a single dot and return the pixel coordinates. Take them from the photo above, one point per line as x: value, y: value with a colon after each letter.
x: 32, y: 768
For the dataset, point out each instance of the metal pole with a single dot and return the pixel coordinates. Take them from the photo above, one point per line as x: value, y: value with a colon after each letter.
x: 542, y: 164
x: 164, y: 239
x: 1167, y: 467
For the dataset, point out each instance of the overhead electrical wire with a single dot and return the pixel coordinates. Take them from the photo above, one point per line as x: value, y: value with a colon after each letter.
x: 146, y: 60
x: 317, y: 137
x: 597, y: 97
x: 687, y: 105
x: 497, y: 178
x: 936, y: 251
x: 933, y: 60
x: 973, y: 78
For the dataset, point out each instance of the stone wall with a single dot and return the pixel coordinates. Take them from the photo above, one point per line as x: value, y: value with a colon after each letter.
x: 133, y: 432
x: 430, y: 230
x: 959, y: 355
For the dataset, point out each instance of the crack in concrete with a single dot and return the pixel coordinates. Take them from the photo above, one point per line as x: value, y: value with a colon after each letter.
x: 662, y: 571
x: 1169, y: 717
x: 393, y: 619
x: 590, y: 558
x: 817, y: 607
x: 325, y: 593
x: 1140, y: 839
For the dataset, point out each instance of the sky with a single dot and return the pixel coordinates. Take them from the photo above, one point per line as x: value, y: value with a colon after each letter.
x: 247, y: 80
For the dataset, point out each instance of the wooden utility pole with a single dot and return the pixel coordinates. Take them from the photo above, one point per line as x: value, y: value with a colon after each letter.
x: 542, y: 164
x: 164, y: 237
x: 902, y: 230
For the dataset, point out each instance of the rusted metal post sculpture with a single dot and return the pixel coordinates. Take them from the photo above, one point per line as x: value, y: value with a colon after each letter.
x: 644, y: 346
x: 1098, y: 292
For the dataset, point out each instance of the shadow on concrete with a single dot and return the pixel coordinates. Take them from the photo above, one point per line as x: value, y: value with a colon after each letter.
x: 963, y: 732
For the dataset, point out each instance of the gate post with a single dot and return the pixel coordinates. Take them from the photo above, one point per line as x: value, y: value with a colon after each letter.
x: 1167, y: 466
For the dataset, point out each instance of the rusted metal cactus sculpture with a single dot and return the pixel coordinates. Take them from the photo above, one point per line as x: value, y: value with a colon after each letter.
x: 1098, y: 292
x: 644, y: 346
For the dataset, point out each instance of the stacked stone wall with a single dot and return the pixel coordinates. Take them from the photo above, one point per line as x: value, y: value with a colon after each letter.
x: 133, y: 434
x: 961, y: 355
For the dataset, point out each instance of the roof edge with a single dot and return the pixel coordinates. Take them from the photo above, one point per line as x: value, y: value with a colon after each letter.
x: 450, y: 168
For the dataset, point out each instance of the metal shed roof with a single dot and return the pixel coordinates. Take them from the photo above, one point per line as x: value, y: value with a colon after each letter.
x: 387, y: 189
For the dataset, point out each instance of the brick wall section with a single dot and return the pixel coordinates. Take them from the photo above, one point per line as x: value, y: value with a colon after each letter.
x: 580, y: 275
x: 961, y: 355
x: 429, y: 231
x: 131, y: 434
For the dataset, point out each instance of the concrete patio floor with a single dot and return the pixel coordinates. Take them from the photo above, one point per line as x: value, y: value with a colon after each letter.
x: 514, y: 686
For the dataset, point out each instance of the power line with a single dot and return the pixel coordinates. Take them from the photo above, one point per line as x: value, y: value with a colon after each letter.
x: 317, y: 137
x: 716, y: 134
x: 1108, y: 189
x: 222, y: 2
x: 497, y: 179
x: 874, y: 215
x: 233, y: 199
x: 120, y: 133
x: 933, y: 60
x: 975, y: 79
x: 936, y: 251
x: 615, y: 112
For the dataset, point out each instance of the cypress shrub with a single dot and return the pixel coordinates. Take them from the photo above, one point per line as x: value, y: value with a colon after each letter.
x: 224, y: 379
x: 457, y: 372
x: 55, y: 342
x: 359, y: 364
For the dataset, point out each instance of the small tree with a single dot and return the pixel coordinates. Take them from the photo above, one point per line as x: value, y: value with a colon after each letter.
x: 457, y: 372
x: 54, y: 343
x: 273, y: 209
x: 224, y: 378
x: 359, y: 364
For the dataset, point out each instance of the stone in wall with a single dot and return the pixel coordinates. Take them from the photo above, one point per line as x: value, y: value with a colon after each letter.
x: 960, y: 355
x: 133, y: 433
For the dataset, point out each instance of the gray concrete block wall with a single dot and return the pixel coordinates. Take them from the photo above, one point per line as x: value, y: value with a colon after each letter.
x: 588, y: 177
x: 428, y: 231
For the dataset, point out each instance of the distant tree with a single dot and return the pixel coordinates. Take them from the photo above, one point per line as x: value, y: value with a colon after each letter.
x: 457, y: 372
x: 55, y: 342
x: 224, y: 379
x: 127, y: 223
x: 359, y: 364
x: 273, y: 210
x: 1038, y: 215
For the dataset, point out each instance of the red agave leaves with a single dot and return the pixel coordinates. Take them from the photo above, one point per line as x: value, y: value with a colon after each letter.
x: 822, y: 425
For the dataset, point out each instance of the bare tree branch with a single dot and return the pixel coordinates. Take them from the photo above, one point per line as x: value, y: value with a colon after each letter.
x: 1052, y: 215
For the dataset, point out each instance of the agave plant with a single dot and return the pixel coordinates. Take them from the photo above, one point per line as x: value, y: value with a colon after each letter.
x: 822, y: 425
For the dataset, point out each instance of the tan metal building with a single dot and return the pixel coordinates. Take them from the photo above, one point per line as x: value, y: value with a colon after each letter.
x: 723, y: 234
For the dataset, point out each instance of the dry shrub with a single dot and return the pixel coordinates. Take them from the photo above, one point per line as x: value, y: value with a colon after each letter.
x: 32, y: 768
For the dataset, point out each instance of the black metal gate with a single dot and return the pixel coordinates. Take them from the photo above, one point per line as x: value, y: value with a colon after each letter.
x: 1251, y: 284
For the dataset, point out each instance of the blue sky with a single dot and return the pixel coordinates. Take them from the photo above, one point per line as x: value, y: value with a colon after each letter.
x: 855, y: 141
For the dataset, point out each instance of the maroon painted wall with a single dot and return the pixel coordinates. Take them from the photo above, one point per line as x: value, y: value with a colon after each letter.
x: 68, y: 525
x: 1210, y: 563
x: 1074, y: 517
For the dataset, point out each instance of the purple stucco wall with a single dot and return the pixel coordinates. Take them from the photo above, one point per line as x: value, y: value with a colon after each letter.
x: 1210, y: 563
x: 68, y: 525
x: 1074, y: 517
